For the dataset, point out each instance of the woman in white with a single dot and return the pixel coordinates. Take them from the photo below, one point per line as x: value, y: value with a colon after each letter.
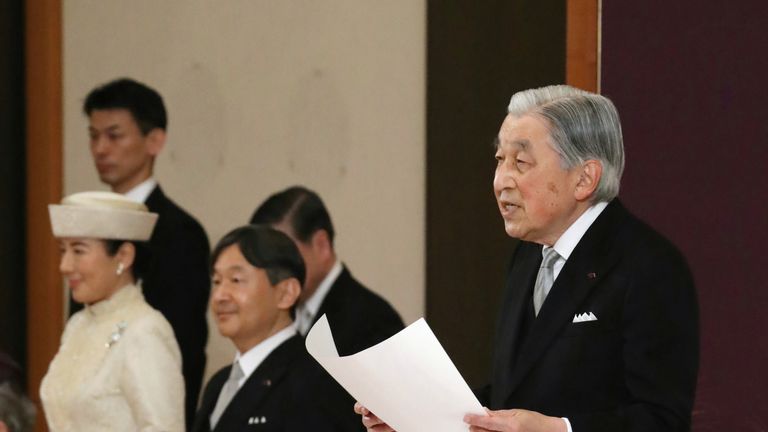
x: 118, y: 367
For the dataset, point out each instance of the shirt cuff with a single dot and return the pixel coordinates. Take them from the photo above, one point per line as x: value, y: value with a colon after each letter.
x: 567, y: 424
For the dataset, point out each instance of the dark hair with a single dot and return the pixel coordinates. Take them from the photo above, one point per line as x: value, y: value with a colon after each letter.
x: 140, y: 259
x: 10, y: 372
x: 267, y: 249
x: 16, y: 411
x: 301, y: 208
x: 144, y: 103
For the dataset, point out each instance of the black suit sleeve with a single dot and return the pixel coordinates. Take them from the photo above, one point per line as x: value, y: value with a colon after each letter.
x: 359, y: 318
x: 380, y: 324
x: 323, y: 405
x: 483, y: 394
x: 178, y: 285
x: 660, y: 352
x: 185, y: 281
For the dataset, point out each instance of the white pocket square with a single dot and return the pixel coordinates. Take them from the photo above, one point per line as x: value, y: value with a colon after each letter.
x: 257, y: 420
x: 586, y: 316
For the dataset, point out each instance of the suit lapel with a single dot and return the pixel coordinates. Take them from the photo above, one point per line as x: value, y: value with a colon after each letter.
x: 262, y: 381
x: 590, y: 261
x: 334, y: 296
x: 521, y: 278
x: 202, y: 418
x: 155, y: 198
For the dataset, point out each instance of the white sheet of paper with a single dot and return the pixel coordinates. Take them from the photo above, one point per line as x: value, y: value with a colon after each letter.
x: 408, y: 380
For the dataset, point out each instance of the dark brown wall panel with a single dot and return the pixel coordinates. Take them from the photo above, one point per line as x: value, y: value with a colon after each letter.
x: 688, y: 78
x: 479, y: 53
x: 12, y: 258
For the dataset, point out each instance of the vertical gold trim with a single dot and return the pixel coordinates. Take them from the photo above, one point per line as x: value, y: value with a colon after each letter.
x: 43, y: 90
x: 582, y: 44
x: 599, y: 46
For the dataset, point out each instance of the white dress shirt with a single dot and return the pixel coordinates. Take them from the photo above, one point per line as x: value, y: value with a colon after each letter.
x: 305, y: 312
x: 252, y: 358
x: 141, y: 191
x: 567, y: 242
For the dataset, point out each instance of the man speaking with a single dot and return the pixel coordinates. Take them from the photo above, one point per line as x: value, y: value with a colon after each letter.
x: 599, y: 324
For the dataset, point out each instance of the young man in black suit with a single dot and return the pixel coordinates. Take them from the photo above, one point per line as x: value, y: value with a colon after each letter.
x: 273, y: 384
x: 599, y: 325
x: 359, y: 318
x: 127, y: 129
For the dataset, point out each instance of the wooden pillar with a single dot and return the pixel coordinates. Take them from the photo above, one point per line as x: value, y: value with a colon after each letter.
x: 583, y: 44
x: 45, y: 320
x: 478, y: 54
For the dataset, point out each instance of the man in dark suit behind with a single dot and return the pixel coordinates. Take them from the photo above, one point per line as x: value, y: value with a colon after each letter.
x: 599, y: 326
x: 127, y: 129
x: 359, y: 318
x: 273, y: 384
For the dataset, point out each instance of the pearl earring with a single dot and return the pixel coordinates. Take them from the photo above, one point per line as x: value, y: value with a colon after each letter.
x: 120, y: 269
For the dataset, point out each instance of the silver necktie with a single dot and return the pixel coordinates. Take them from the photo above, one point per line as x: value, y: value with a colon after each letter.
x: 304, y: 318
x: 227, y: 393
x: 545, y: 279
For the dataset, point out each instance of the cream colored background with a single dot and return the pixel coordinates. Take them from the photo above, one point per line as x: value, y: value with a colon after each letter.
x: 266, y: 94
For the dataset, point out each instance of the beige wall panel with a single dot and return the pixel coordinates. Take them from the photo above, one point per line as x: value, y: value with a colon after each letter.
x: 265, y: 94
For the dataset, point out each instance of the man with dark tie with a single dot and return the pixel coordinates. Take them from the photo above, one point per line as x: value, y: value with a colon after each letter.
x: 273, y: 384
x: 598, y: 328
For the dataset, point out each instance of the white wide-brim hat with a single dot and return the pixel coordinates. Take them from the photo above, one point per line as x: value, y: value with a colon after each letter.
x: 101, y: 215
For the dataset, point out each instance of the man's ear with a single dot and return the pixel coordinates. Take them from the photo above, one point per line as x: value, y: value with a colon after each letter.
x: 155, y: 141
x: 289, y: 290
x: 321, y: 243
x: 589, y: 178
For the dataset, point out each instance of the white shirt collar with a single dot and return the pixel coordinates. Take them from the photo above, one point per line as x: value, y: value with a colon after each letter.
x: 305, y: 312
x: 141, y: 191
x: 571, y: 237
x: 256, y: 355
x: 313, y: 303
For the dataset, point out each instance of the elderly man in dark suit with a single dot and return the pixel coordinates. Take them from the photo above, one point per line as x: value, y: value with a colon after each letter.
x: 599, y: 325
x: 359, y: 318
x: 127, y: 129
x: 273, y: 384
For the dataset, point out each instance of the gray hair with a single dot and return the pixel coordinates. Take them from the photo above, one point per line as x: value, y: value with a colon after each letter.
x: 583, y: 126
x: 16, y: 411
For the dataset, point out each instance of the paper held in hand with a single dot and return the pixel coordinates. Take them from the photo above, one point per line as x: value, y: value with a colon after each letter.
x: 408, y: 380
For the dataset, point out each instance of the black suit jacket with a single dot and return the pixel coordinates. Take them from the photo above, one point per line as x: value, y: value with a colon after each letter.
x: 177, y: 283
x: 358, y: 317
x: 288, y: 390
x: 635, y: 368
